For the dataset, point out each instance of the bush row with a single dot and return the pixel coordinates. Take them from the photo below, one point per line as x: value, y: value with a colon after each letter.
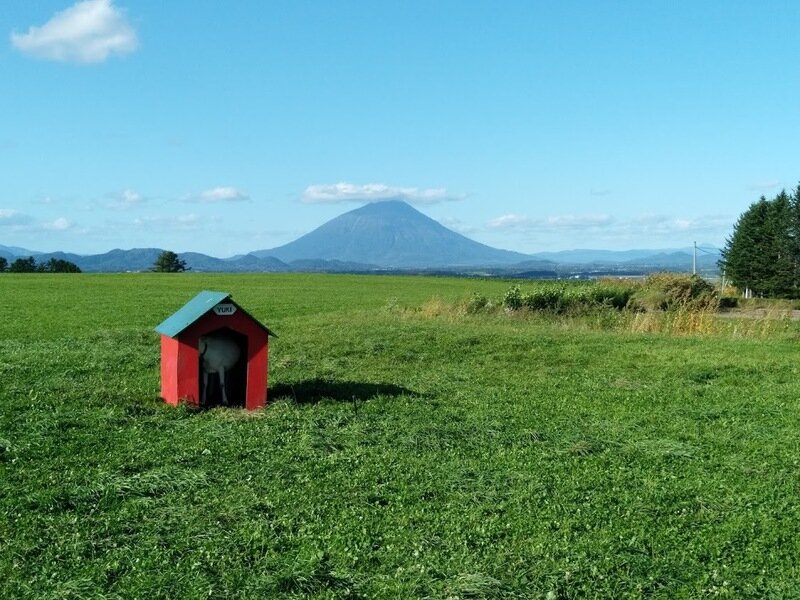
x: 564, y: 298
x: 658, y: 292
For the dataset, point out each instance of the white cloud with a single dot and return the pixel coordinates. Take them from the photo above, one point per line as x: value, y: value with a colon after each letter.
x: 87, y: 32
x: 188, y: 222
x: 650, y: 220
x: 513, y: 221
x: 130, y: 197
x: 124, y: 200
x: 578, y: 221
x: 187, y: 219
x: 510, y: 220
x: 60, y: 224
x: 764, y: 186
x: 662, y: 225
x: 373, y: 192
x: 221, y: 194
x: 609, y: 227
x: 457, y: 224
x: 10, y: 217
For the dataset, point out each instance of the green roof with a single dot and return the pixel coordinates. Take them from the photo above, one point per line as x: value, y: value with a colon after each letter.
x: 198, y: 306
x: 191, y: 311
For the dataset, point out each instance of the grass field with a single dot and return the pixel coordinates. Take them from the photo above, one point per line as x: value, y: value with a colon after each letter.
x: 409, y: 450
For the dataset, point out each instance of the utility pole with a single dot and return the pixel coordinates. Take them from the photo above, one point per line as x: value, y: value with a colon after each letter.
x: 694, y: 260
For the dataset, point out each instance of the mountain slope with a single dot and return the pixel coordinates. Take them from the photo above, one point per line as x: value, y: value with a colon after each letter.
x: 664, y: 256
x: 142, y: 259
x: 390, y: 234
x: 17, y: 251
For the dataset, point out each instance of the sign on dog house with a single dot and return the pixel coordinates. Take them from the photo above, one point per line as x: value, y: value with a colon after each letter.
x: 213, y: 353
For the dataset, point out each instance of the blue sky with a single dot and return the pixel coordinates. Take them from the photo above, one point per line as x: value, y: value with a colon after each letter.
x: 226, y: 127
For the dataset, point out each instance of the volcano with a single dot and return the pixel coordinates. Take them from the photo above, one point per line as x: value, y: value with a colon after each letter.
x: 391, y: 234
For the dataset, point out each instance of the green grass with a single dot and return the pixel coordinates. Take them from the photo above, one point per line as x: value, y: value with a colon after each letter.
x: 407, y: 452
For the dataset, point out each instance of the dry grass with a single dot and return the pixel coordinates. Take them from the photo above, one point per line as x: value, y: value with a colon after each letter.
x: 436, y: 307
x: 682, y: 321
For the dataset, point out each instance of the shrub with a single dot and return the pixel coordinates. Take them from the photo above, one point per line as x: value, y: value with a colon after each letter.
x: 476, y: 303
x: 569, y: 297
x: 670, y: 291
x: 545, y: 298
x: 658, y: 292
x: 616, y: 296
x: 512, y: 299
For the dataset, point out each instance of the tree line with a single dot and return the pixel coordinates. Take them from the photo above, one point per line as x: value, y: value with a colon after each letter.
x: 763, y: 252
x: 29, y: 265
x: 167, y: 262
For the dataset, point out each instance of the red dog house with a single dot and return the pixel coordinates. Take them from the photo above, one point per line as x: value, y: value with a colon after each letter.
x: 213, y: 314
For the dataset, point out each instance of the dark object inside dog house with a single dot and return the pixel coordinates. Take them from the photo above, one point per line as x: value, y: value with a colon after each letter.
x: 186, y: 347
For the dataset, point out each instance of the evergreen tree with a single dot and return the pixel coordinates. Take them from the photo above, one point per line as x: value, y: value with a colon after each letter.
x: 3, y: 264
x: 794, y: 240
x: 54, y: 265
x: 168, y: 262
x: 58, y: 265
x: 763, y: 253
x: 778, y: 280
x: 23, y: 265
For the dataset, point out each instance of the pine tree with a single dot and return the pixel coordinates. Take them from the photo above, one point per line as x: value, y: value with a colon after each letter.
x: 23, y: 265
x: 58, y: 265
x: 778, y: 279
x: 794, y: 241
x: 763, y: 253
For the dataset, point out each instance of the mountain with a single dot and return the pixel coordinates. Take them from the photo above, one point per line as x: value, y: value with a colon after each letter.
x: 10, y: 253
x: 136, y: 259
x: 393, y: 236
x: 142, y: 259
x: 390, y: 234
x: 17, y: 251
x: 665, y: 257
x: 318, y: 265
x: 246, y: 263
x: 676, y: 261
x: 595, y: 256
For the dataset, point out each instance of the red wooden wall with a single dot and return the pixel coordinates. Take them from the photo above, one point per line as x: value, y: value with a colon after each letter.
x: 180, y: 366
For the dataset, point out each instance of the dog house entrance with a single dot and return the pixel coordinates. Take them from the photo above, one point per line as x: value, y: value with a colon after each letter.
x: 223, y: 350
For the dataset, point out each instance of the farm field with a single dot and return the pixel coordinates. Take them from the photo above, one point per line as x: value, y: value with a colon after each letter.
x: 409, y: 450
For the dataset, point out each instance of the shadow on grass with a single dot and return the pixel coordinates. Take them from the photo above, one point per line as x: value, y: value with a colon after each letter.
x: 312, y: 391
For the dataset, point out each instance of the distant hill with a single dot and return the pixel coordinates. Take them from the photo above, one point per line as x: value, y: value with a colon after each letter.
x: 10, y: 253
x: 17, y: 251
x: 676, y: 261
x: 662, y: 256
x: 587, y: 256
x: 318, y: 265
x: 142, y: 259
x: 247, y: 263
x: 114, y: 261
x: 390, y: 234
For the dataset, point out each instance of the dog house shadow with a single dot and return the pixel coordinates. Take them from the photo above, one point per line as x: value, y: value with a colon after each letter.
x: 312, y: 391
